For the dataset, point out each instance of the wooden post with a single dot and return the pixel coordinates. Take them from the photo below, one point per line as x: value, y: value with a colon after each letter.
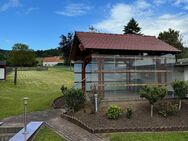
x: 102, y: 67
x: 84, y: 64
x: 165, y: 74
x: 99, y: 75
x: 83, y: 77
x: 158, y: 64
x: 15, y: 75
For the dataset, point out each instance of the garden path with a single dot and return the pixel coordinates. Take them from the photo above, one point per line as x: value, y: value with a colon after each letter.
x: 68, y: 130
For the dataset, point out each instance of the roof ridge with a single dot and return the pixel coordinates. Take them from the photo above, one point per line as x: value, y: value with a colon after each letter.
x: 114, y: 34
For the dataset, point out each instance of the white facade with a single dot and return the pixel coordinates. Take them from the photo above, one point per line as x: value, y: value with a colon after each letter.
x: 2, y: 73
x: 50, y: 63
x: 181, y: 73
x: 186, y: 73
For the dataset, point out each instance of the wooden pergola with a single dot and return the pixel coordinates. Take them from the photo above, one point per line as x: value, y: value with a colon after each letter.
x: 98, y: 47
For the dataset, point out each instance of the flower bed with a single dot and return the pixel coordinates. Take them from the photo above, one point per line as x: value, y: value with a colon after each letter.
x: 140, y: 120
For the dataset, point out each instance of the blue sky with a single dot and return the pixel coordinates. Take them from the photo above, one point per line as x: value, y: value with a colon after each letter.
x: 39, y: 23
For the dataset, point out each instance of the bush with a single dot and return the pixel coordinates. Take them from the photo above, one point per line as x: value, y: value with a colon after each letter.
x: 63, y: 89
x: 114, y: 112
x: 129, y: 112
x: 181, y: 89
x: 167, y: 108
x: 153, y: 94
x: 74, y: 99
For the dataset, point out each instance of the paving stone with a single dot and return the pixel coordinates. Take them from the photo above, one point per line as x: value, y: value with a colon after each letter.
x: 63, y: 127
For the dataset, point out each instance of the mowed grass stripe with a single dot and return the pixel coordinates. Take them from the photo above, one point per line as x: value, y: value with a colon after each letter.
x: 42, y: 87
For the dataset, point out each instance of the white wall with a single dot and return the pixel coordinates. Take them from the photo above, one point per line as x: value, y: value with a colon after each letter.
x: 50, y: 63
x: 178, y: 73
x: 185, y: 73
x: 2, y: 73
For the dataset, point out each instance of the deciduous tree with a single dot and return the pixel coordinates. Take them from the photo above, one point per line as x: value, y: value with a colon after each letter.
x: 21, y: 55
x: 65, y: 45
x: 153, y: 94
x: 180, y: 89
x: 173, y: 38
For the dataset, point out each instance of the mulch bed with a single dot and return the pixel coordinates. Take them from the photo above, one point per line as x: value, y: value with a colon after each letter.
x: 140, y: 120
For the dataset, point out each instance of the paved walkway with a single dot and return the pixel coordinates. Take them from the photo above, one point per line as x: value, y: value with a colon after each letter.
x: 68, y: 130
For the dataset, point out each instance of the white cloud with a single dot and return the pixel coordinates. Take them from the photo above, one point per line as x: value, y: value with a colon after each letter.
x: 181, y: 3
x: 74, y: 10
x: 159, y: 2
x: 31, y: 9
x: 121, y: 13
x: 10, y: 4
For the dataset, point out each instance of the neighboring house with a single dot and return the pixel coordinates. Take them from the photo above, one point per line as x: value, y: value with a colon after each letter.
x: 51, y: 61
x: 181, y: 69
x: 2, y: 70
x: 120, y: 65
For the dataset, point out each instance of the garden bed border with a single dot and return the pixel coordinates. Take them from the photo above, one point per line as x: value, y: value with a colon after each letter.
x: 126, y: 129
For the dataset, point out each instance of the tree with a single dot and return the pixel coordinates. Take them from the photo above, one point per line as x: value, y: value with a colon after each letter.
x: 180, y: 89
x: 21, y: 55
x: 65, y: 45
x: 2, y: 57
x: 48, y: 53
x: 153, y: 94
x: 132, y: 27
x: 173, y: 38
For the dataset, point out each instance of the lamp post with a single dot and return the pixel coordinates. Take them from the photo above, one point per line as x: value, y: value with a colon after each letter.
x: 25, y: 99
x: 96, y: 102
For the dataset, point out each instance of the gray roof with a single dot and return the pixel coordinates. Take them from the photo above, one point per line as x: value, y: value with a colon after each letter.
x: 182, y: 62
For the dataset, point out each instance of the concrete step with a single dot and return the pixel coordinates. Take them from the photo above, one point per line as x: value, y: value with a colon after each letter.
x: 6, y: 136
x: 8, y: 129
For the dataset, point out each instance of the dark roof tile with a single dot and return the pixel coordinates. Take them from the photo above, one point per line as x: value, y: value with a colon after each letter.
x: 90, y: 40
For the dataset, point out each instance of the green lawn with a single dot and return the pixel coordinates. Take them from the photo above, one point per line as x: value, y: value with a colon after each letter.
x: 46, y: 134
x: 42, y: 87
x: 159, y: 136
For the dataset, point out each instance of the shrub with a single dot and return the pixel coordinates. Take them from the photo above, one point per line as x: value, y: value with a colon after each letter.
x: 114, y: 112
x: 153, y: 94
x: 167, y: 108
x: 181, y: 89
x: 74, y: 99
x: 129, y: 112
x: 63, y: 89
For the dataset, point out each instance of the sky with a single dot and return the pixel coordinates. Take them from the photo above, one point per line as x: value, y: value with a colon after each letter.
x: 39, y: 23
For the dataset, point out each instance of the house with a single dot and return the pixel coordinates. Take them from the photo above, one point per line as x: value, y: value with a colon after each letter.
x: 181, y: 69
x: 2, y: 70
x: 120, y: 65
x: 51, y: 61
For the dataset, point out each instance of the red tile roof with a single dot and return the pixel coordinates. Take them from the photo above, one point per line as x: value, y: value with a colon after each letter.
x: 90, y: 40
x: 52, y: 59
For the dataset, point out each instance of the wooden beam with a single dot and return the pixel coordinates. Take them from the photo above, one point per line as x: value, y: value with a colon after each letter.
x: 133, y: 85
x: 132, y: 71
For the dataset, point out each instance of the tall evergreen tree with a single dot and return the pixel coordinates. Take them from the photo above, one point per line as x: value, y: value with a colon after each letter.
x: 132, y: 27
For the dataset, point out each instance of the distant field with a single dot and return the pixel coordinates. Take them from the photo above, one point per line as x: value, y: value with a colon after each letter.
x: 159, y: 136
x: 42, y: 87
